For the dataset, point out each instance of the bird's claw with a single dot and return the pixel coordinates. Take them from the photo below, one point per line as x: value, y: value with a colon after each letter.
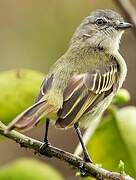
x: 83, y: 170
x: 42, y: 149
x: 87, y: 159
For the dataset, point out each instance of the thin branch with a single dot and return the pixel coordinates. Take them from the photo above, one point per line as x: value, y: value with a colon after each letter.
x: 128, y: 10
x: 88, y: 168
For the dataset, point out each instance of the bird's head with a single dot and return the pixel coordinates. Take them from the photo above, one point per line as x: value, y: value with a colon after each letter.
x: 102, y: 28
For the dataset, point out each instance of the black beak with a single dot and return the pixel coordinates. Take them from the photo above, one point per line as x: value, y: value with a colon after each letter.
x: 123, y: 26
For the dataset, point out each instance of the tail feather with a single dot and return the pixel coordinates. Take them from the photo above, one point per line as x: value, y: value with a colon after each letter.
x: 30, y: 117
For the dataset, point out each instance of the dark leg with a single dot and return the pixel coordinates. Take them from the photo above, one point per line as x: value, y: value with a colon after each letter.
x: 45, y: 140
x: 86, y: 155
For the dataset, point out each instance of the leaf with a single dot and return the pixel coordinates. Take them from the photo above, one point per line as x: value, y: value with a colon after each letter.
x: 114, y: 140
x: 18, y: 89
x: 126, y: 119
x: 27, y: 169
x: 121, y: 97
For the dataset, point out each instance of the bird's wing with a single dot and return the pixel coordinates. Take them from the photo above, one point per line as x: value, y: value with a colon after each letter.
x: 84, y: 91
x: 46, y: 85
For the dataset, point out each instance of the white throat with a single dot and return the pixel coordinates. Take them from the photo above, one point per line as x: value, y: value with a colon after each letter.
x: 110, y: 42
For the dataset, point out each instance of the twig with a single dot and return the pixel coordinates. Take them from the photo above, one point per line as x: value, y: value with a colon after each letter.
x: 128, y: 10
x: 88, y: 168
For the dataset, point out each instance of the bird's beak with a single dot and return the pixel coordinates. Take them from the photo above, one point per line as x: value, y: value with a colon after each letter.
x: 123, y: 26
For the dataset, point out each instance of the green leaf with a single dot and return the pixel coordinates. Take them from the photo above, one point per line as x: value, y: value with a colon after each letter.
x: 114, y: 140
x: 18, y: 89
x: 26, y: 169
x: 126, y: 119
x: 121, y: 97
x: 121, y: 167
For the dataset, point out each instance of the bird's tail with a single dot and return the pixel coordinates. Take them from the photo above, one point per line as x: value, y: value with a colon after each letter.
x: 30, y: 117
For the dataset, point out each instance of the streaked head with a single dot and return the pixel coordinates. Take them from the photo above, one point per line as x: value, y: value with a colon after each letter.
x: 102, y: 28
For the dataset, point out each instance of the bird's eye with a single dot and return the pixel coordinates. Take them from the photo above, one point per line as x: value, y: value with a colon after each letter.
x: 100, y: 22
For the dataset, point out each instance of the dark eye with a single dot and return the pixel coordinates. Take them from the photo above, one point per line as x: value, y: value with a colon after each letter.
x: 100, y: 22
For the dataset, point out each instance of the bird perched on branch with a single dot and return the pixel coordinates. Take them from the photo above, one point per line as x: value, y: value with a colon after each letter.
x: 81, y: 84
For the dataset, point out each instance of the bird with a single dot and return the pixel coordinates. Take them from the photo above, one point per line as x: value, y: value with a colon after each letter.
x: 81, y: 84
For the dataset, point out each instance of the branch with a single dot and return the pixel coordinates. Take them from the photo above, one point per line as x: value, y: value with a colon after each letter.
x: 128, y: 10
x: 89, y: 168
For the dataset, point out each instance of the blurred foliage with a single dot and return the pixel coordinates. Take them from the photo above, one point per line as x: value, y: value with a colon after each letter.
x: 18, y: 89
x: 27, y: 169
x: 126, y: 119
x: 114, y: 140
x: 121, y: 97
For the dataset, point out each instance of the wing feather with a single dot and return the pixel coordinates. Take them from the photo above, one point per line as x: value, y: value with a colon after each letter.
x: 73, y: 85
x: 84, y: 91
x: 46, y: 85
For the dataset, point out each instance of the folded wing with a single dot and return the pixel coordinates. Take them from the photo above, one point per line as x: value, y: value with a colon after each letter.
x: 84, y: 91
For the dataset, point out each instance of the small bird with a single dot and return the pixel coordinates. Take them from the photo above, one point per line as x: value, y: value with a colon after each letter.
x: 81, y: 83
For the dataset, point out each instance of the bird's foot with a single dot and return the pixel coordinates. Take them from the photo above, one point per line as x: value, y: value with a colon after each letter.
x: 44, y: 146
x: 83, y: 170
x: 43, y: 149
x: 87, y: 159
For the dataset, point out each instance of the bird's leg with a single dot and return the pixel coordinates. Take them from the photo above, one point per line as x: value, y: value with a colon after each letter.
x: 45, y: 140
x: 86, y: 155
